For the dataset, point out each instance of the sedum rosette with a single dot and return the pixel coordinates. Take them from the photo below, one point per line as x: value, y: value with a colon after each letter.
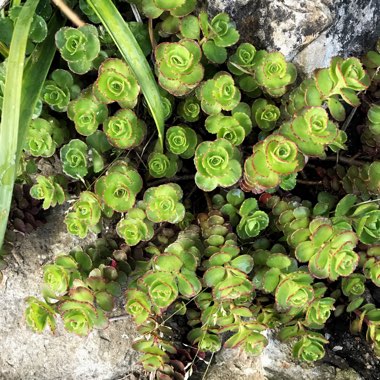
x: 44, y: 136
x: 312, y: 131
x: 217, y: 164
x: 243, y: 60
x: 182, y: 141
x: 135, y: 227
x: 294, y: 293
x: 49, y: 190
x: 189, y: 109
x: 163, y: 203
x: 265, y: 114
x: 162, y: 165
x: 344, y: 77
x: 319, y: 311
x: 78, y: 46
x: 39, y: 314
x: 59, y: 89
x: 116, y: 83
x: 124, y: 130
x: 80, y: 317
x: 233, y: 128
x: 309, y: 347
x: 119, y: 187
x: 219, y: 33
x: 273, y: 73
x: 272, y: 159
x: 178, y: 66
x: 85, y: 214
x: 87, y: 113
x: 219, y: 93
x: 177, y: 8
x: 74, y: 157
x: 252, y: 221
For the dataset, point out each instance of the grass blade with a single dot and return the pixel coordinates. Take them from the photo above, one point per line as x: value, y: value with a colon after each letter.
x: 132, y: 53
x: 35, y: 73
x: 21, y: 94
x: 11, y: 111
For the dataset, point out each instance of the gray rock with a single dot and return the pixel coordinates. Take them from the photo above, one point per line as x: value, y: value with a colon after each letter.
x: 103, y: 355
x: 275, y: 363
x: 355, y: 30
x: 278, y: 364
x: 236, y: 365
x: 309, y: 32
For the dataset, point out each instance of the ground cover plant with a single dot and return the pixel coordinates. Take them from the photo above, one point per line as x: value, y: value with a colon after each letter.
x: 222, y: 189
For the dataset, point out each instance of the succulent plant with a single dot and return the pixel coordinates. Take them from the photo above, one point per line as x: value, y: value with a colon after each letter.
x: 273, y: 73
x: 85, y: 215
x: 363, y: 180
x: 265, y: 114
x: 364, y: 218
x: 80, y: 317
x: 39, y: 314
x: 231, y: 128
x: 162, y: 165
x: 217, y: 164
x: 78, y: 46
x: 371, y: 270
x: 326, y: 245
x: 189, y: 109
x: 248, y: 263
x: 273, y: 158
x: 49, y: 190
x: 74, y: 157
x: 135, y: 227
x: 353, y: 285
x: 178, y: 66
x: 219, y: 33
x: 310, y: 347
x: 119, y: 187
x: 182, y: 141
x: 312, y: 131
x: 294, y: 292
x: 116, y: 83
x: 252, y: 221
x: 219, y: 93
x: 371, y: 134
x: 41, y: 140
x: 124, y: 130
x: 178, y: 8
x: 87, y: 114
x: 319, y: 311
x: 59, y: 90
x: 243, y: 60
x: 163, y: 203
x: 138, y: 305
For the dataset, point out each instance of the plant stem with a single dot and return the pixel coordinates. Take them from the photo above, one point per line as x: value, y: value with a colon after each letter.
x: 208, y: 200
x: 151, y: 36
x: 69, y: 13
x: 346, y: 160
x: 309, y: 183
x: 119, y: 317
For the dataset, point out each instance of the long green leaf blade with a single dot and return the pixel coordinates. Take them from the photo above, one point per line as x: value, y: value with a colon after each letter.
x: 11, y: 111
x: 35, y: 73
x: 132, y: 53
